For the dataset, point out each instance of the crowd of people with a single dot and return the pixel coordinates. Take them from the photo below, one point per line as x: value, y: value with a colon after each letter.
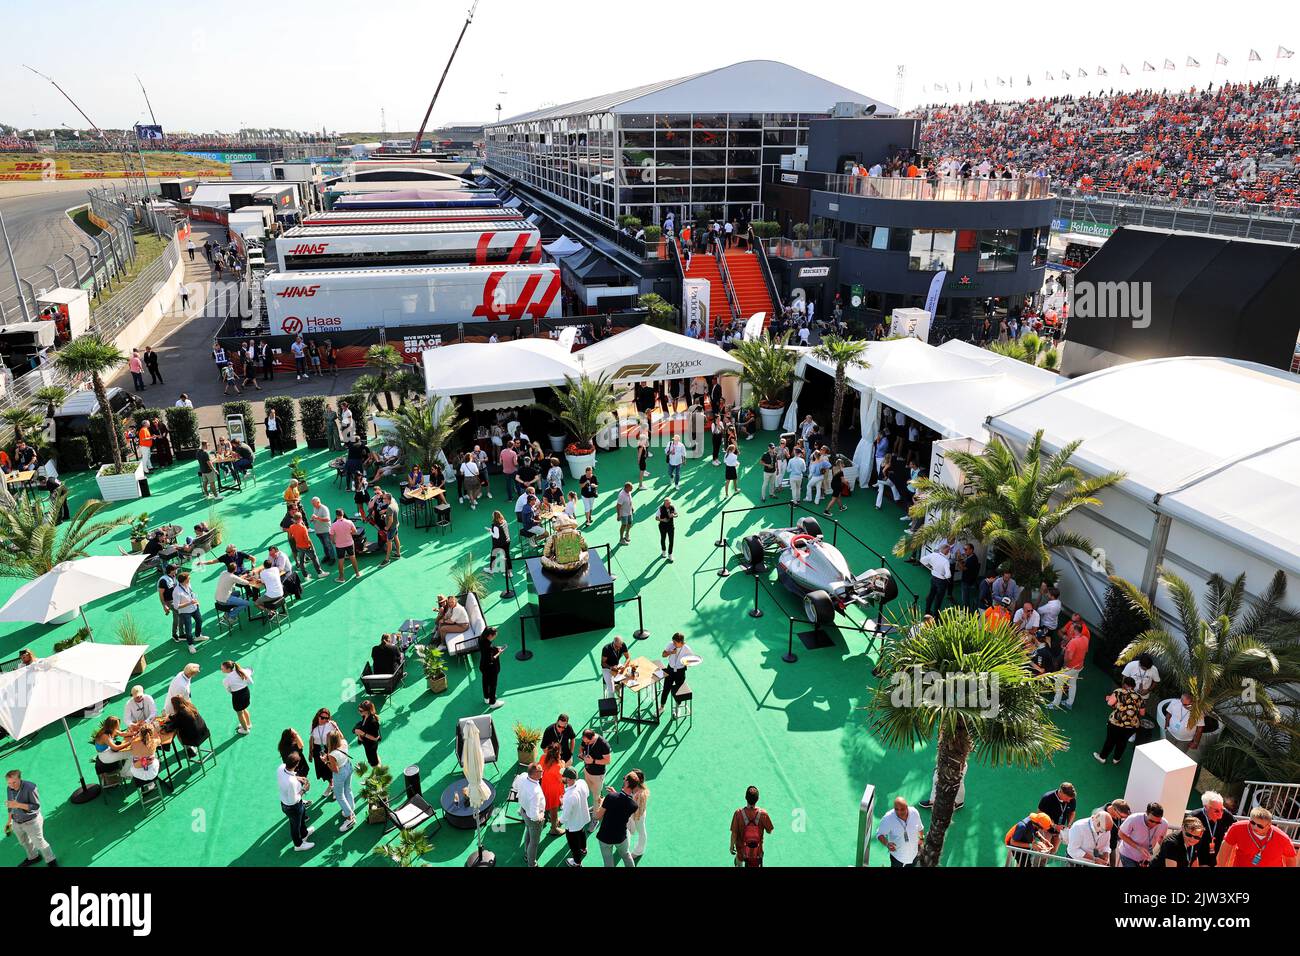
x: 1236, y: 143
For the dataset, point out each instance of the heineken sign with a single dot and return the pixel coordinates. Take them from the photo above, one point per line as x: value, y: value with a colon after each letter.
x: 1082, y: 228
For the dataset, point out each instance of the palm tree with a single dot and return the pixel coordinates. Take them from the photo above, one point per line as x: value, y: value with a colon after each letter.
x: 585, y: 406
x: 1230, y: 654
x: 422, y: 432
x: 51, y: 396
x: 969, y: 684
x: 21, y: 419
x: 1018, y: 507
x: 843, y: 354
x: 1030, y: 348
x: 767, y: 367
x: 388, y: 362
x: 30, y: 531
x: 91, y: 355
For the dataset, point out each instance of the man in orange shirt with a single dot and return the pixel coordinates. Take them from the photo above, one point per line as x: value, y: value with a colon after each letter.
x: 302, y: 548
x: 144, y: 439
x: 999, y: 613
x: 1075, y: 638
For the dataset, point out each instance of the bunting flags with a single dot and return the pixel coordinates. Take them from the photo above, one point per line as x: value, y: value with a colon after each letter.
x: 1220, y: 60
x: 1284, y: 54
x: 1028, y: 81
x: 1001, y: 82
x: 1193, y: 63
x: 1147, y: 67
x: 1254, y: 57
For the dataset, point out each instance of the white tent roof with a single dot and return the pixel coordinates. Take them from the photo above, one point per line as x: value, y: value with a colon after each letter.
x: 902, y: 362
x: 647, y: 352
x: 564, y: 246
x: 473, y: 368
x: 1002, y: 364
x: 958, y: 409
x: 1212, y: 442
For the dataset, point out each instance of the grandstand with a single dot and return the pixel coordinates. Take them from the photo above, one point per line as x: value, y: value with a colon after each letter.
x: 1234, y: 144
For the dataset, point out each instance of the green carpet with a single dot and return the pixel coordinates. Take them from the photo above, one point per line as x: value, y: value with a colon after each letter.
x: 797, y: 731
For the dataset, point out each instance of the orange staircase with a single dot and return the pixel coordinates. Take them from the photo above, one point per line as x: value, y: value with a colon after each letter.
x: 747, y: 282
x: 704, y: 266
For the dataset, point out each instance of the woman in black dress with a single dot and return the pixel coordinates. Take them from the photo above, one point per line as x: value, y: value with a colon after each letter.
x: 500, y: 546
x: 162, y: 443
x: 367, y: 731
x: 291, y: 743
x: 322, y: 725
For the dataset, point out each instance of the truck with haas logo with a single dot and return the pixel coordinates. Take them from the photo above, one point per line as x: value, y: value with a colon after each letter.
x: 418, y: 244
x: 309, y: 301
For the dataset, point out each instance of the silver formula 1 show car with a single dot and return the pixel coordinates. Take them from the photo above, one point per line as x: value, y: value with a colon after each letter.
x: 810, y: 566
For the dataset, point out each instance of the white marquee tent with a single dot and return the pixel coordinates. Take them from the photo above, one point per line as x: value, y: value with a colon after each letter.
x: 561, y: 247
x: 1211, y: 452
x: 647, y: 352
x: 496, y: 374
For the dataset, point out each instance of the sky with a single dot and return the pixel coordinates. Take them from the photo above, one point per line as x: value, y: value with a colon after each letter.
x: 335, y: 64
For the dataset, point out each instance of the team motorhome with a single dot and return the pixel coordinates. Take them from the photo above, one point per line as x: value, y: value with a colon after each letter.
x: 312, y: 302
x: 419, y: 244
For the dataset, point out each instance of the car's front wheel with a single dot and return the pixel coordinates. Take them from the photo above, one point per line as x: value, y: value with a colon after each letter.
x: 818, y: 608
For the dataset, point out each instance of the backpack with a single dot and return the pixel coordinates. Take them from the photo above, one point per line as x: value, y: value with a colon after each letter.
x: 751, y: 836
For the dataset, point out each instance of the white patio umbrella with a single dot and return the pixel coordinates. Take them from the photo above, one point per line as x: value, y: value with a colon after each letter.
x: 70, y: 584
x: 472, y: 761
x: 53, y: 687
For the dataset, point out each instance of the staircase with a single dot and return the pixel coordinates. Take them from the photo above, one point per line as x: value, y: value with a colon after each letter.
x: 703, y: 266
x: 747, y: 282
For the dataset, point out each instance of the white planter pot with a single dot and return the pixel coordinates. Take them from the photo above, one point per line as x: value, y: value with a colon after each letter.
x: 851, y: 476
x: 1208, y: 737
x: 120, y: 487
x: 770, y: 418
x: 557, y: 442
x: 578, y: 464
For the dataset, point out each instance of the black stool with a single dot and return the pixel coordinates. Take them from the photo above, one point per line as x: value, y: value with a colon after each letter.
x: 682, y: 698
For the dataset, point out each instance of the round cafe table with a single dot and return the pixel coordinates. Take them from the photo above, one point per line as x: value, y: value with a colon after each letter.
x: 460, y: 814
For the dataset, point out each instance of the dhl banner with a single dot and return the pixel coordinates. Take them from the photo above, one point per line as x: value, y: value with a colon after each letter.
x: 35, y: 170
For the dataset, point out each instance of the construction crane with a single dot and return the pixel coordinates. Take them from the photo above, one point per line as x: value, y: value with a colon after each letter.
x: 419, y: 137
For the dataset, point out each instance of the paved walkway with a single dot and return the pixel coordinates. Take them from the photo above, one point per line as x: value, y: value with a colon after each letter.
x: 184, y: 346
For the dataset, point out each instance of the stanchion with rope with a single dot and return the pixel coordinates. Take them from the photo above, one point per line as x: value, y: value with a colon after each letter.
x: 790, y: 656
x: 755, y: 611
x: 523, y: 654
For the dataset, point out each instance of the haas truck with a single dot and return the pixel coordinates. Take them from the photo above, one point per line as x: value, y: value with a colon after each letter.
x: 319, y: 302
x: 416, y: 244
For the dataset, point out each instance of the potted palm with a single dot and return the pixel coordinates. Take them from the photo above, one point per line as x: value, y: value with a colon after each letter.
x: 468, y: 578
x: 406, y: 850
x: 435, y: 670
x: 299, y: 474
x: 128, y: 634
x: 585, y: 406
x: 217, y: 524
x: 526, y: 741
x: 139, y: 532
x: 374, y: 790
x: 844, y: 354
x: 767, y: 367
x: 422, y: 431
x: 89, y: 355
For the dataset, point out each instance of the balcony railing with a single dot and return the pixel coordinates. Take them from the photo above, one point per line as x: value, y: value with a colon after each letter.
x: 800, y: 248
x: 941, y: 190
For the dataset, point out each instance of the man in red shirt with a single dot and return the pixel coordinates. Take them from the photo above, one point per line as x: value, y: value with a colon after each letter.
x: 749, y: 825
x: 1256, y: 842
x: 1075, y: 637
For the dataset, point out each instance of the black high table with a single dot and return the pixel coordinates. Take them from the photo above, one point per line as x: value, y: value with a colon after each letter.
x: 573, y: 603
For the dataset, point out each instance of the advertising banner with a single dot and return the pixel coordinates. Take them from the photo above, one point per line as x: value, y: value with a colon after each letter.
x: 695, y: 294
x: 943, y: 470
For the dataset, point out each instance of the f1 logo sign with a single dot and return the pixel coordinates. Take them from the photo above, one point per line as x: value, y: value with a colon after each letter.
x: 495, y: 306
x: 636, y: 371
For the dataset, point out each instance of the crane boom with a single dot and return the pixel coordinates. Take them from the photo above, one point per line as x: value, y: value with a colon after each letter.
x: 419, y: 137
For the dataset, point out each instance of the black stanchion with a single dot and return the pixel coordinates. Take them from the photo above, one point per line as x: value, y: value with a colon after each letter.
x: 722, y: 531
x: 790, y: 656
x: 755, y: 611
x: 640, y: 634
x: 523, y: 654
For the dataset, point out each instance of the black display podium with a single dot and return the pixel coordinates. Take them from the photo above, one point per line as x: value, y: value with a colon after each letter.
x: 573, y: 603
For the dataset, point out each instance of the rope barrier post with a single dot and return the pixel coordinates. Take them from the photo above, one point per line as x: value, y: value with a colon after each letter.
x: 755, y: 611
x: 640, y: 634
x: 523, y: 654
x: 722, y: 569
x: 722, y: 531
x: 790, y: 656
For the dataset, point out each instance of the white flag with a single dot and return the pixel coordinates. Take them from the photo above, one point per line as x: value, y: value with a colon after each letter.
x: 1253, y: 56
x: 1101, y: 71
x: 1169, y: 65
x: 1051, y: 78
x: 1082, y: 71
x: 1065, y: 74
x: 1192, y: 63
x: 1147, y: 67
x: 1123, y: 69
x: 1284, y: 54
x: 1220, y: 60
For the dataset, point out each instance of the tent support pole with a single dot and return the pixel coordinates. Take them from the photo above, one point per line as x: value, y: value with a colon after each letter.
x: 84, y: 793
x: 1155, y: 555
x: 90, y: 636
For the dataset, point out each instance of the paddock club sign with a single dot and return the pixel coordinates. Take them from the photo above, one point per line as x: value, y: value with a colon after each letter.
x: 679, y: 368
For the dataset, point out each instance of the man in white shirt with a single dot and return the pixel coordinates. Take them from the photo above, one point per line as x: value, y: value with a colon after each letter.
x: 901, y: 831
x: 675, y: 656
x: 532, y: 806
x: 1089, y: 838
x: 940, y: 567
x: 180, y: 687
x: 452, y: 618
x: 803, y: 335
x: 1026, y: 619
x: 1179, y: 729
x: 225, y: 596
x: 676, y: 452
x: 272, y: 585
x: 184, y: 401
x: 1049, y: 611
x: 1144, y: 674
x: 139, y: 708
x: 292, y: 788
x: 575, y: 814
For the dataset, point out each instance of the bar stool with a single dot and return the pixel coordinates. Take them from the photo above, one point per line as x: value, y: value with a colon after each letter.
x: 442, y: 516
x: 682, y: 699
x: 607, y: 715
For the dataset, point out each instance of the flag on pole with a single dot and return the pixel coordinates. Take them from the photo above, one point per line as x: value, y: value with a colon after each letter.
x: 1220, y: 60
x: 1123, y: 69
x: 1028, y: 81
x: 1147, y: 67
x: 1254, y: 57
x: 1101, y: 71
x: 1065, y: 75
x: 1169, y: 64
x: 1051, y: 78
x: 1082, y: 72
x: 1001, y: 82
x: 1284, y: 54
x: 1192, y: 63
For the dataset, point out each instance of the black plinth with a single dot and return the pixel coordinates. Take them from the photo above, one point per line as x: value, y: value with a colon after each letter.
x: 573, y: 603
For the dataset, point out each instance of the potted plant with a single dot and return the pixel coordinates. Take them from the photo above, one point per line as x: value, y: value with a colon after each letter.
x: 526, y: 740
x: 768, y: 367
x: 662, y: 313
x: 468, y: 578
x: 128, y: 634
x: 299, y: 474
x: 183, y: 424
x: 218, y: 525
x: 374, y: 790
x: 287, y: 416
x: 422, y: 431
x: 314, y: 429
x: 90, y: 356
x: 406, y: 850
x: 586, y: 406
x: 435, y: 670
x: 139, y: 532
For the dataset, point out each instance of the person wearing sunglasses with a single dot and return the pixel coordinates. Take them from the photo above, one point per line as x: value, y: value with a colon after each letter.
x: 1257, y: 843
x: 1216, y: 820
x: 1119, y: 811
x: 1140, y: 834
x: 1182, y: 848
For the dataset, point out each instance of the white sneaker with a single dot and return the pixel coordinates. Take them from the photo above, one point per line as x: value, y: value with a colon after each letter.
x: 193, y: 649
x: 347, y: 824
x: 310, y: 831
x: 302, y: 847
x: 240, y: 730
x: 499, y: 703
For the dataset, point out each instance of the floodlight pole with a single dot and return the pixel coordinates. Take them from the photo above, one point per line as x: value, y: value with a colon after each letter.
x: 18, y: 284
